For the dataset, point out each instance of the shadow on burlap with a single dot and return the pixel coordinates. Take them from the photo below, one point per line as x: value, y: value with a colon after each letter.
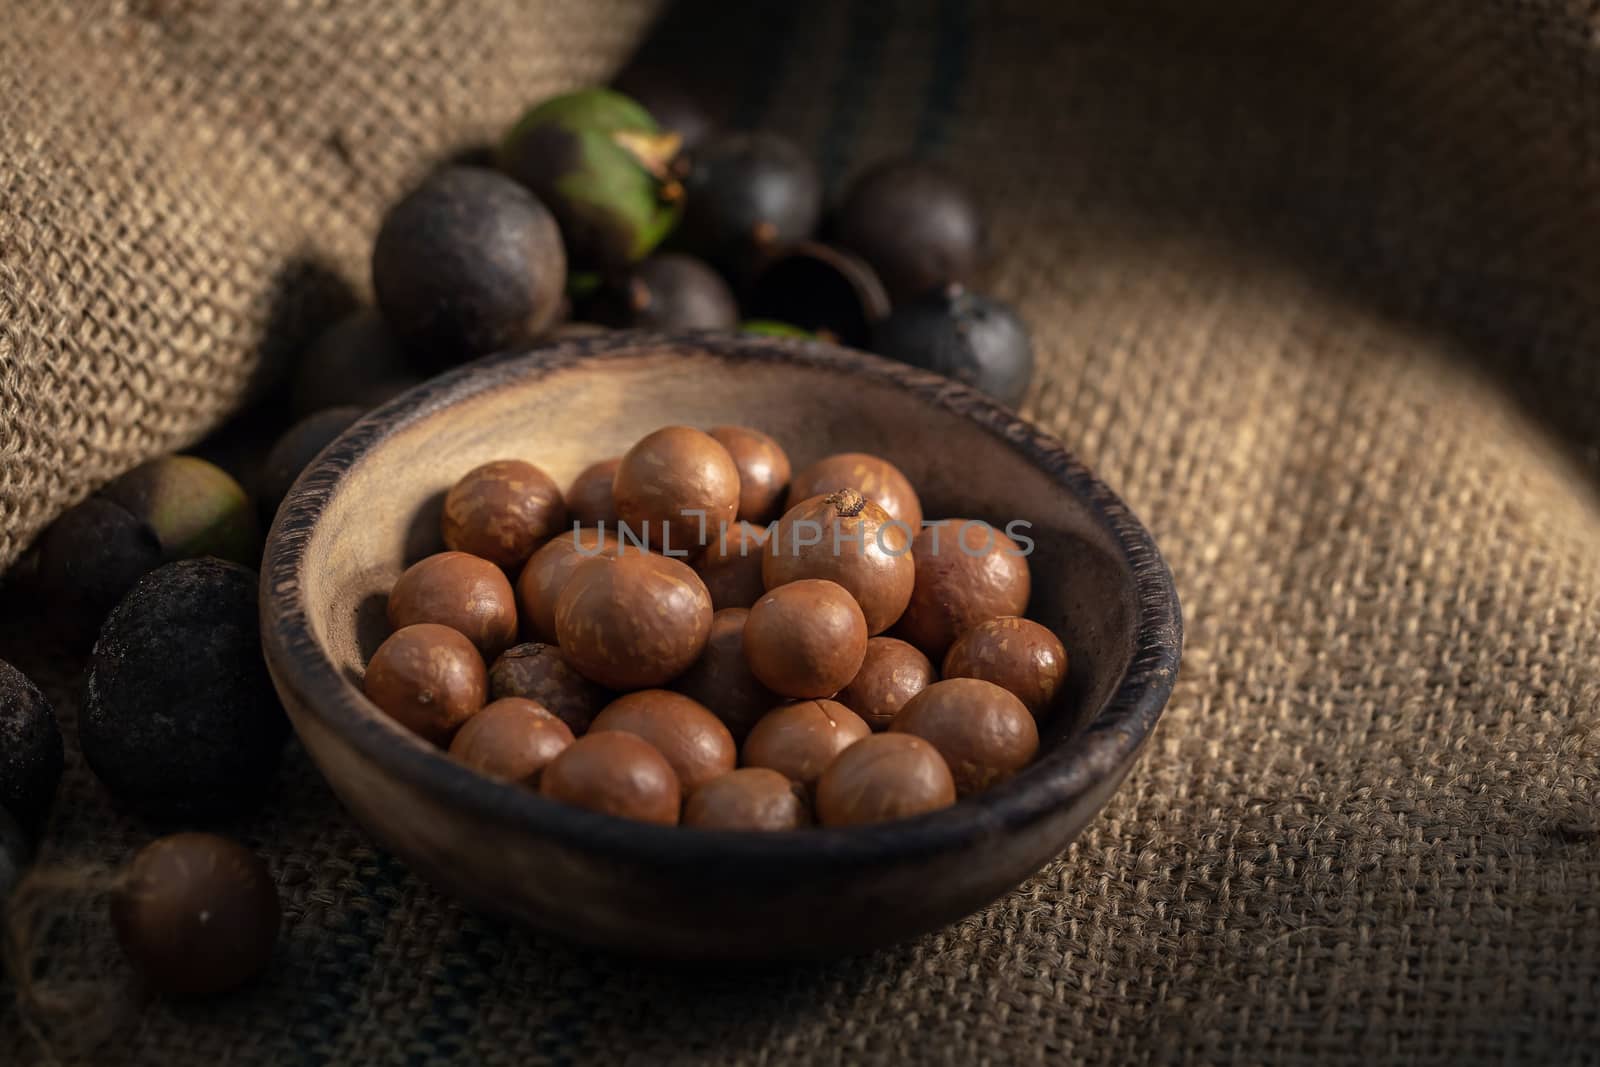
x: 1316, y: 288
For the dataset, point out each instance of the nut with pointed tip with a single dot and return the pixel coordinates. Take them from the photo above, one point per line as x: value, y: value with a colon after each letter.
x: 872, y: 476
x: 843, y: 537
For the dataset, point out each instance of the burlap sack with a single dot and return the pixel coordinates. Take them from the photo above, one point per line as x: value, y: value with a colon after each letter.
x: 1317, y: 286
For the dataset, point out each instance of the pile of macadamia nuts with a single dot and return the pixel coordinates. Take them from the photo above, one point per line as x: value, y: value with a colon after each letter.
x: 687, y: 659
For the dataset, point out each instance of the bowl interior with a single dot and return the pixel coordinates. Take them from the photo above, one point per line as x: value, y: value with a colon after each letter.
x: 383, y: 514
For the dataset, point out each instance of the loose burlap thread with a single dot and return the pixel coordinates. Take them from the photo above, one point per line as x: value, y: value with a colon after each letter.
x: 1314, y: 286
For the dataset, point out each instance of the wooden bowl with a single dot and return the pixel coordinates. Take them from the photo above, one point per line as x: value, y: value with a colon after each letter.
x: 370, y: 505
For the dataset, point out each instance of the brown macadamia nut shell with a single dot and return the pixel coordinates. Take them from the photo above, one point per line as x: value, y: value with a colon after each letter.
x: 616, y: 773
x: 538, y: 672
x: 695, y: 742
x: 892, y: 673
x: 676, y: 488
x: 196, y: 914
x: 882, y: 777
x: 800, y: 740
x: 806, y: 639
x: 967, y: 572
x: 428, y: 678
x: 1019, y: 655
x: 872, y: 476
x: 589, y: 499
x: 721, y: 680
x: 751, y: 798
x: 502, y: 511
x: 633, y: 621
x: 731, y: 566
x: 460, y: 591
x: 984, y: 733
x: 764, y: 470
x: 511, y: 739
x: 547, y: 573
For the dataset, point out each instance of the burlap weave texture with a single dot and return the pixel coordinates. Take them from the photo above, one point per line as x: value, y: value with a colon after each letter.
x: 1315, y: 286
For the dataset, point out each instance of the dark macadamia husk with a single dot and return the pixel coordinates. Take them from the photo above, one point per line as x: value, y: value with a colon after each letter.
x: 825, y: 290
x: 30, y: 749
x: 670, y: 291
x: 179, y: 715
x: 194, y: 507
x: 356, y: 362
x: 962, y: 335
x: 294, y: 451
x: 914, y: 223
x: 749, y: 195
x: 88, y: 559
x: 468, y: 263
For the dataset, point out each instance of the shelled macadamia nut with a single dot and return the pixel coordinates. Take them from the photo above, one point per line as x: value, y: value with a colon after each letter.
x: 694, y: 741
x: 892, y: 673
x: 806, y: 639
x: 633, y: 621
x: 428, y: 678
x: 502, y: 511
x: 616, y: 773
x: 984, y: 733
x: 461, y: 591
x: 1016, y: 654
x: 512, y: 739
x: 968, y: 572
x: 882, y: 777
x: 799, y: 740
